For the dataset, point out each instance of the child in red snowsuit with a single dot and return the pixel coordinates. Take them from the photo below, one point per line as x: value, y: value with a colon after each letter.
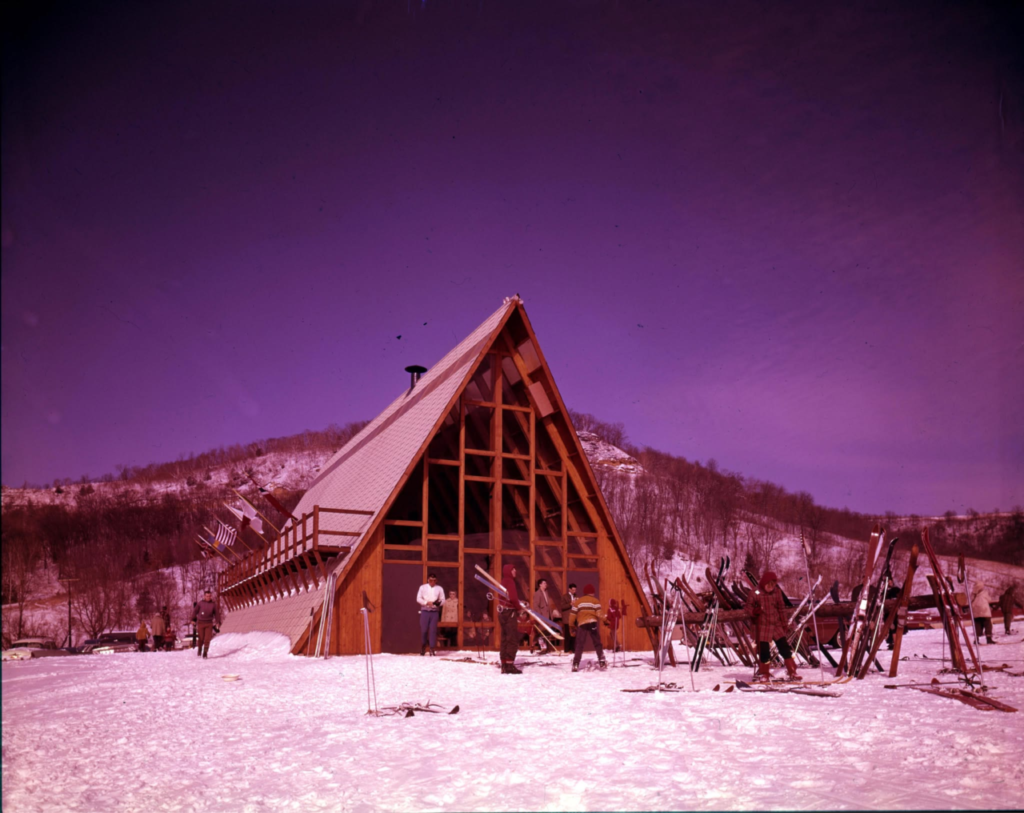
x: 771, y: 623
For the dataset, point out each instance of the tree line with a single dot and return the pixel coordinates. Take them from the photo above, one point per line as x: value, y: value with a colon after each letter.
x: 113, y: 538
x: 676, y: 506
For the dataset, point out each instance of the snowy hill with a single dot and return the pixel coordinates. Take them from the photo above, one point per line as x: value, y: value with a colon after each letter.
x: 672, y: 515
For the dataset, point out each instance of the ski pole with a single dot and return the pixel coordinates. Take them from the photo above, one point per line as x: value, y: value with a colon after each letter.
x: 961, y: 576
x: 371, y: 679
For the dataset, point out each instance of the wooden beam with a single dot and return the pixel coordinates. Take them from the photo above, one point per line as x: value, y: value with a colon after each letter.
x: 845, y: 609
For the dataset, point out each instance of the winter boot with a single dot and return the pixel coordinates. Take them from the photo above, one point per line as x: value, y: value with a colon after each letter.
x: 991, y: 640
x: 575, y: 667
x: 602, y: 664
x: 764, y: 674
x: 791, y: 670
x: 423, y: 650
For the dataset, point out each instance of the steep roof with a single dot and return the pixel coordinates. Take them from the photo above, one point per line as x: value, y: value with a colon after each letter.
x: 366, y: 471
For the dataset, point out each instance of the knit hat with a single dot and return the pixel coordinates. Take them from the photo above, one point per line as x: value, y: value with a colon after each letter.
x: 588, y: 589
x: 768, y: 576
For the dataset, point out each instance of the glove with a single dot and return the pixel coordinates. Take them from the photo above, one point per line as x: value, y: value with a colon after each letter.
x: 216, y: 629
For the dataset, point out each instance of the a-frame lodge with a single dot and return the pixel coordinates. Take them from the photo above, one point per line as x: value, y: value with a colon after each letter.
x: 477, y: 463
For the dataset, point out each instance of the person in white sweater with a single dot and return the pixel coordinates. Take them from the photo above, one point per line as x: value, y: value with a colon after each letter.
x: 430, y: 598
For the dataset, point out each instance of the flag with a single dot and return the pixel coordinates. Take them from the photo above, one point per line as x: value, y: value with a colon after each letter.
x: 225, y: 535
x: 213, y: 543
x: 266, y: 492
x: 204, y: 549
x: 247, y: 516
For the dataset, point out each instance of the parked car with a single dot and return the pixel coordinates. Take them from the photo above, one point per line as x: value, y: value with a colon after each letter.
x: 109, y: 643
x: 25, y: 648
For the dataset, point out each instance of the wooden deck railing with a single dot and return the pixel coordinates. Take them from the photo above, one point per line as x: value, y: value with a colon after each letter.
x: 294, y: 560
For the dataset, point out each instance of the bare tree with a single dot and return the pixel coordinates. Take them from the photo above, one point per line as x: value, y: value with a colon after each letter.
x: 103, y: 597
x: 763, y: 537
x: 22, y: 553
x: 812, y: 522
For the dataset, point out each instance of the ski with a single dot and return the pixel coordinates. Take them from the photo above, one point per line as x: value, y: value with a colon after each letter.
x: 876, y: 600
x: 951, y: 612
x: 708, y: 627
x: 891, y: 618
x: 955, y: 695
x: 859, y: 618
x: 765, y: 688
x: 488, y: 580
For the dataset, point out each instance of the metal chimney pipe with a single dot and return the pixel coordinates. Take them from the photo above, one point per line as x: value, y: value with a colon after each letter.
x: 414, y: 371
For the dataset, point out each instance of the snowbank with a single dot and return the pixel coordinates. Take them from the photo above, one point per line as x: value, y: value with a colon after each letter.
x: 164, y: 732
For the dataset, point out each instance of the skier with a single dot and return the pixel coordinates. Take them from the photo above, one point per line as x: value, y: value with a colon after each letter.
x: 586, y: 613
x: 768, y: 612
x: 1007, y: 601
x: 430, y: 598
x: 981, y: 606
x: 568, y: 639
x: 508, y: 620
x: 205, y: 617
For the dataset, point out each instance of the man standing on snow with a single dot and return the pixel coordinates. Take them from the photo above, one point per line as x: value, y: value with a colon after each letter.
x: 1007, y: 601
x: 568, y: 639
x: 768, y: 612
x: 586, y: 614
x: 508, y: 619
x: 205, y: 617
x: 430, y: 598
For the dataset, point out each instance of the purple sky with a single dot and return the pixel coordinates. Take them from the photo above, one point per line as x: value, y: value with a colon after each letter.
x: 791, y: 242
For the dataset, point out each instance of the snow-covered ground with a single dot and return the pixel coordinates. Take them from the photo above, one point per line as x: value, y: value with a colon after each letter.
x: 165, y: 732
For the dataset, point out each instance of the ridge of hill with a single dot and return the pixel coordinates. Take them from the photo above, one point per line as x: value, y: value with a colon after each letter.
x: 118, y: 534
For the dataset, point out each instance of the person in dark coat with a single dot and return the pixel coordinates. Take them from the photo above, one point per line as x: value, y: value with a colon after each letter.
x: 568, y: 639
x: 205, y: 618
x: 508, y: 620
x: 771, y: 623
x: 1007, y: 602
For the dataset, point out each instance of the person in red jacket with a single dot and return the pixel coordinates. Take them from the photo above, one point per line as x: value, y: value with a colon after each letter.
x: 771, y: 623
x: 508, y: 619
x: 613, y: 619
